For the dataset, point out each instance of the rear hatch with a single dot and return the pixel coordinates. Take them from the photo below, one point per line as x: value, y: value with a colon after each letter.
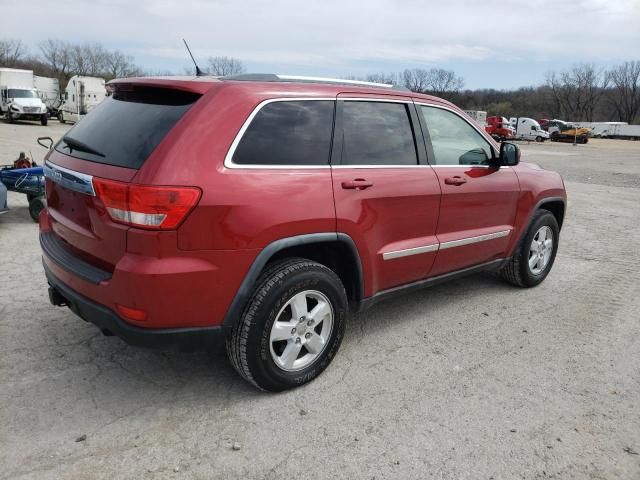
x: 89, y: 171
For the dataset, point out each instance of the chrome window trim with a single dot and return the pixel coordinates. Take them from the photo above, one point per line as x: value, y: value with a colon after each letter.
x: 484, y: 135
x: 444, y: 245
x: 469, y: 166
x: 408, y: 101
x: 381, y: 166
x: 76, y: 181
x: 228, y: 159
x: 471, y: 240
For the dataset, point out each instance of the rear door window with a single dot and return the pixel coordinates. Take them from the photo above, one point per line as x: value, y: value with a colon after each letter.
x: 377, y: 133
x: 288, y: 133
x: 126, y: 127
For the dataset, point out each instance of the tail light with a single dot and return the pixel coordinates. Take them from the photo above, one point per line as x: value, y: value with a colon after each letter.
x: 146, y: 206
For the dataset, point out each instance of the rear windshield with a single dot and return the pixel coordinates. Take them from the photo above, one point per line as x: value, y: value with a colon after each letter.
x: 125, y: 128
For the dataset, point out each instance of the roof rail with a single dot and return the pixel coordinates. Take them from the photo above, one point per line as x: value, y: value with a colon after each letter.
x: 271, y: 77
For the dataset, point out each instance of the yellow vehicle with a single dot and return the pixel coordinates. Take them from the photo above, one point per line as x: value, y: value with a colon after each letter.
x: 561, y: 131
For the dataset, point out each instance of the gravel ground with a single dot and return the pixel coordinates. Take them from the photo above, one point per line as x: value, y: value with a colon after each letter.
x: 470, y: 380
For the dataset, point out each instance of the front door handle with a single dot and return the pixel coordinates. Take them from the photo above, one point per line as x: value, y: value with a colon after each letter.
x: 357, y: 184
x: 457, y: 181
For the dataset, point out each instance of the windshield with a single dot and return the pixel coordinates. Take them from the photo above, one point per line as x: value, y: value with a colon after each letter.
x: 16, y: 93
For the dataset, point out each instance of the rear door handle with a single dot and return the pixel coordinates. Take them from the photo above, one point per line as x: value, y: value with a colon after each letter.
x: 357, y: 184
x: 455, y: 180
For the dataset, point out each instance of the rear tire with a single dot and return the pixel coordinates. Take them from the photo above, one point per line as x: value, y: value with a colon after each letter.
x: 36, y: 205
x: 532, y: 260
x: 278, y: 356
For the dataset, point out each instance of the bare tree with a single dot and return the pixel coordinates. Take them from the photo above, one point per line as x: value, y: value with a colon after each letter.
x: 222, y: 66
x: 437, y: 81
x: 119, y: 65
x: 387, y: 78
x: 443, y: 83
x: 578, y: 91
x: 57, y: 56
x: 11, y: 53
x: 625, y: 86
x: 416, y: 80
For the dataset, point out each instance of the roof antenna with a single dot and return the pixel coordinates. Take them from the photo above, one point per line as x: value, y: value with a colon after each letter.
x: 199, y: 73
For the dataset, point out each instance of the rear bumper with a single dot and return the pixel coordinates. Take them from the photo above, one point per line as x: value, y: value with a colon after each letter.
x: 111, y: 324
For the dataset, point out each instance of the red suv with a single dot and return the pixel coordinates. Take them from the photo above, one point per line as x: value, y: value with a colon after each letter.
x: 264, y: 209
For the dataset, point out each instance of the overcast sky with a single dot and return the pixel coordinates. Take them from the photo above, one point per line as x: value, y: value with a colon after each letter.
x: 499, y: 44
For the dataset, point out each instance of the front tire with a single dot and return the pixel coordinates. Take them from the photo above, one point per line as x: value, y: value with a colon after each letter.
x: 10, y: 117
x: 61, y: 117
x: 43, y: 120
x: 534, y: 256
x: 291, y: 327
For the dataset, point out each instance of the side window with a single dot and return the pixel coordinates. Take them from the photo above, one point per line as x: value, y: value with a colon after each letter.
x: 288, y: 133
x: 454, y: 141
x: 377, y: 133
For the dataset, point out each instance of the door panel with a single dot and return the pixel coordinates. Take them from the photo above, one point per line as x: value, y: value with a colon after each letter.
x: 389, y: 207
x: 485, y: 204
x: 478, y: 206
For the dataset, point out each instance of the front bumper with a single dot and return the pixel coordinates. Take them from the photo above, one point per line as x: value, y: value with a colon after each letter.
x: 27, y: 116
x: 193, y: 338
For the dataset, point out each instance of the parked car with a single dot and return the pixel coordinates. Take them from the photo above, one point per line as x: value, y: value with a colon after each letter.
x: 263, y: 211
x: 3, y: 199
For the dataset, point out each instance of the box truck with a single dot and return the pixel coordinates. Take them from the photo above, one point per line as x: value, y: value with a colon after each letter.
x: 479, y: 116
x: 18, y: 99
x: 80, y: 97
x: 48, y: 90
x: 528, y: 129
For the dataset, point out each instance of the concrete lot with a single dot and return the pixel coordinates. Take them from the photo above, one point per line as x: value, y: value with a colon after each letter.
x: 470, y: 380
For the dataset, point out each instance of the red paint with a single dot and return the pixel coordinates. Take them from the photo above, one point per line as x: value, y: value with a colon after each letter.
x: 188, y: 276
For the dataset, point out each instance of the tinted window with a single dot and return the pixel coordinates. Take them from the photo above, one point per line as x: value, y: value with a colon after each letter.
x: 377, y: 133
x: 126, y: 127
x: 288, y: 133
x: 454, y: 141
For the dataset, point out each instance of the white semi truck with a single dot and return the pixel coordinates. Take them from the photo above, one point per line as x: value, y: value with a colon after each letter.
x: 18, y: 99
x: 528, y: 129
x: 48, y: 90
x: 80, y: 97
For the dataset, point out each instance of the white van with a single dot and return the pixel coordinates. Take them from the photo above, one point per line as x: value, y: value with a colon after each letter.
x: 528, y: 129
x: 80, y: 97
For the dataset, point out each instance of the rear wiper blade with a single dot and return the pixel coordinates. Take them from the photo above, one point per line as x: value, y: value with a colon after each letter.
x: 74, y: 144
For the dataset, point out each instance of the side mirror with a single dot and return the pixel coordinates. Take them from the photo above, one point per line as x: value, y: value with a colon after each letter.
x: 509, y: 154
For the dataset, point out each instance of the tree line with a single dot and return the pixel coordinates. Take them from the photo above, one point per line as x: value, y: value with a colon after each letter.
x: 62, y: 60
x: 584, y: 92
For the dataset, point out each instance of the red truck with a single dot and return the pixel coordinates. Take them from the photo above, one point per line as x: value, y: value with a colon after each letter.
x: 262, y: 210
x: 499, y: 128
